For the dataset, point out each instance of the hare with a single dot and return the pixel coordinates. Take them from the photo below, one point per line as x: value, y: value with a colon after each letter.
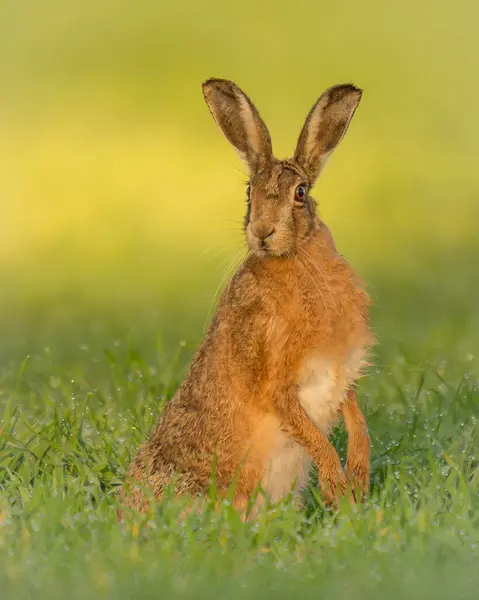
x: 289, y: 339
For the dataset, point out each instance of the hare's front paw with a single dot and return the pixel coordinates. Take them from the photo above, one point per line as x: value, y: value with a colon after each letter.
x: 334, y: 484
x: 357, y: 470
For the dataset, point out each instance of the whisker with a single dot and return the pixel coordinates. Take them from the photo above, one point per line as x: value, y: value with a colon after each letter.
x: 317, y: 268
x: 217, y: 248
x: 225, y: 276
x: 236, y: 221
x: 238, y: 268
x: 314, y: 282
x: 242, y: 173
x: 236, y: 229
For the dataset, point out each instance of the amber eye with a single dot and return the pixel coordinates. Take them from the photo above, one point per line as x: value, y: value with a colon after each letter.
x: 300, y: 193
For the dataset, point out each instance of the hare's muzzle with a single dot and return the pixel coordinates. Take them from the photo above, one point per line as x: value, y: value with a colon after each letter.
x: 262, y: 232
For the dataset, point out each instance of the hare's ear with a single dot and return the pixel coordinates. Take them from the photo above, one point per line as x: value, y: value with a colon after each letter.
x: 240, y: 121
x: 325, y: 126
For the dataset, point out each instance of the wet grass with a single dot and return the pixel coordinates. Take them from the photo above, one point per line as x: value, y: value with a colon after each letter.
x: 78, y: 397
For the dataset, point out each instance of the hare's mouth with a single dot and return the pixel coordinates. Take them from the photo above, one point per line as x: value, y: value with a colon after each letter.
x: 272, y: 251
x: 271, y: 242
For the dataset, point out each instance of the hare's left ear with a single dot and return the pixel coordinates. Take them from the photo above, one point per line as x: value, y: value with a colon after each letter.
x: 325, y: 126
x: 240, y: 121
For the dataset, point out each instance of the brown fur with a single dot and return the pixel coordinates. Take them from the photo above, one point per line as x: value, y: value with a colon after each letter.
x: 292, y: 322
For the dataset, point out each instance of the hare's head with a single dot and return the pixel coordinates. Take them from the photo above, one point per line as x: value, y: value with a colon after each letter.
x: 281, y: 214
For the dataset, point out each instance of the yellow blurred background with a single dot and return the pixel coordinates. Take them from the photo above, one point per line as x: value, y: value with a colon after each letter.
x: 116, y: 184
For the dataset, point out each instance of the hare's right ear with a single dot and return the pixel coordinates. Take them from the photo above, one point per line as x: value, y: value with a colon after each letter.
x: 325, y: 126
x: 240, y: 121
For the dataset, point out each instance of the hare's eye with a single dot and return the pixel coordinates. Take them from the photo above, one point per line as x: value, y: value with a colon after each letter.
x: 300, y: 193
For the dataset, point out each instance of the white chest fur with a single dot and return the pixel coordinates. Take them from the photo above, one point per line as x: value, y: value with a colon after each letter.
x: 320, y: 392
x: 322, y: 388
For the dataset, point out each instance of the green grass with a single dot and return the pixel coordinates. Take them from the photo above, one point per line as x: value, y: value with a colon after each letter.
x: 117, y: 198
x: 78, y: 395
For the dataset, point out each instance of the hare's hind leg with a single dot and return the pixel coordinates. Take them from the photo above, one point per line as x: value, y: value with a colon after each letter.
x: 133, y: 497
x: 143, y: 484
x: 358, y: 465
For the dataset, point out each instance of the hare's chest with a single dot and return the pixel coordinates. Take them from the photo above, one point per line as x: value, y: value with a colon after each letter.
x: 323, y: 385
x: 319, y: 392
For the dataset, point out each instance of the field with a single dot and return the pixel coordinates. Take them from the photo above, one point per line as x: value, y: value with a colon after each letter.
x: 75, y: 410
x: 121, y: 211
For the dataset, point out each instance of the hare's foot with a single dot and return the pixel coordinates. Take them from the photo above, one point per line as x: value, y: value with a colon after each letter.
x: 333, y: 482
x: 357, y: 465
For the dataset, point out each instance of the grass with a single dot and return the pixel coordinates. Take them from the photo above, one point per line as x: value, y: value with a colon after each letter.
x: 114, y: 179
x: 73, y: 413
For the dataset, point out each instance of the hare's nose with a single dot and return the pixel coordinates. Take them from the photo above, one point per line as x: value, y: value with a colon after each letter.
x: 262, y: 230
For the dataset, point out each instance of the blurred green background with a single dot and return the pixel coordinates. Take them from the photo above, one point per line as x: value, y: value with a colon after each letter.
x: 119, y: 195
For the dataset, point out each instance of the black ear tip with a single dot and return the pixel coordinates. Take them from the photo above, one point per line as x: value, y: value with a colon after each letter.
x: 348, y: 88
x: 218, y: 83
x: 353, y: 88
x: 344, y: 91
x: 210, y: 81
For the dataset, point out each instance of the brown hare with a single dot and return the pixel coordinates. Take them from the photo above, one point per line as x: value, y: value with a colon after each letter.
x: 279, y: 362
